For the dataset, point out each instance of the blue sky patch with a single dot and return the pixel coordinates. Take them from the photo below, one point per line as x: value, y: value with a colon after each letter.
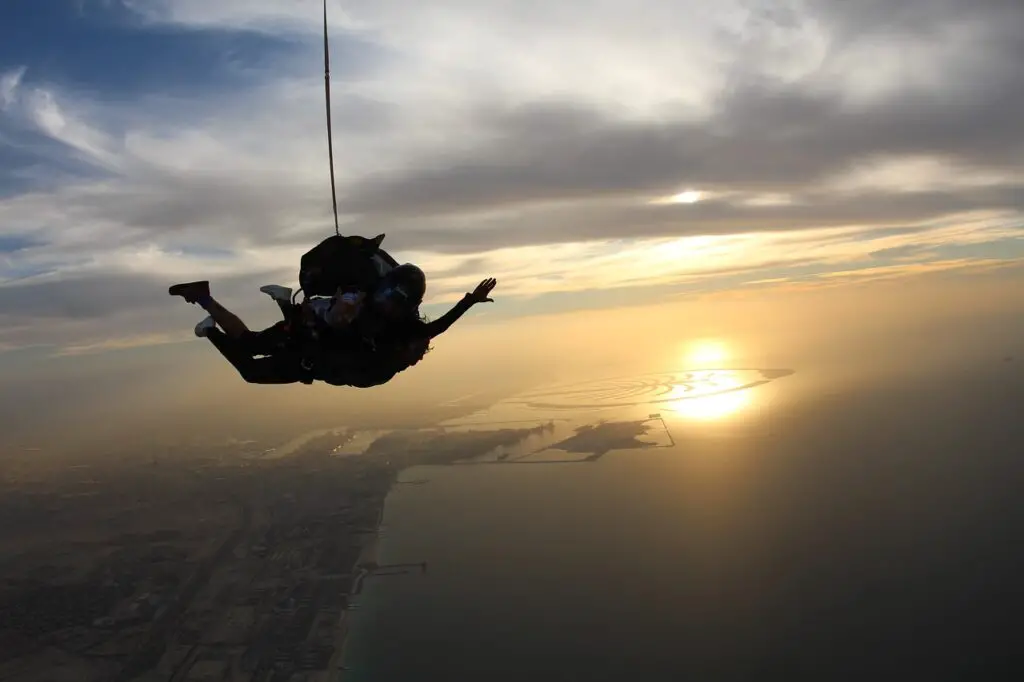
x: 205, y: 252
x: 12, y: 243
x: 105, y: 48
x: 32, y: 161
x: 1002, y: 248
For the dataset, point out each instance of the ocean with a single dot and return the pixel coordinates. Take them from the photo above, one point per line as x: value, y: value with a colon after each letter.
x: 857, y: 534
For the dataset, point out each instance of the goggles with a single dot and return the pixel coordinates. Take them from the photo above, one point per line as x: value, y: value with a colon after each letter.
x: 393, y: 292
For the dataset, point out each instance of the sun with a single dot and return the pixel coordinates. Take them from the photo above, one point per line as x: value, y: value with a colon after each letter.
x: 706, y: 354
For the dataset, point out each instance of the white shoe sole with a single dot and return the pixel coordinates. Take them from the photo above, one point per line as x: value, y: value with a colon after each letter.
x: 203, y: 328
x: 277, y: 292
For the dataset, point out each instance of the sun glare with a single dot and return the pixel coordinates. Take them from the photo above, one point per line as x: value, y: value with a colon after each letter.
x: 712, y: 407
x: 713, y: 394
x: 689, y: 196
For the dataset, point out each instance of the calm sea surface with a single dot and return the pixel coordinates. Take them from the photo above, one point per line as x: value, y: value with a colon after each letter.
x: 848, y: 536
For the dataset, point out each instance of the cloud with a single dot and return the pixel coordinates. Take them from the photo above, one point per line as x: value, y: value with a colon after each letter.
x: 763, y: 136
x: 120, y: 343
x: 9, y: 83
x: 839, y: 278
x: 818, y: 132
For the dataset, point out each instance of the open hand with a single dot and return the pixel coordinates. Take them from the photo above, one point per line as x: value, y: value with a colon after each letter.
x: 483, y: 291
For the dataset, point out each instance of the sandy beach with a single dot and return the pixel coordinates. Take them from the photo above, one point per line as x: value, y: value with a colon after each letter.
x: 369, y: 553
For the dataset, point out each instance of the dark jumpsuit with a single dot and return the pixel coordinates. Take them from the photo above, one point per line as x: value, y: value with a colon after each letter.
x: 279, y: 364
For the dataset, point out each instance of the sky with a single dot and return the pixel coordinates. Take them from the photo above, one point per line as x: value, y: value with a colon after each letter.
x: 586, y: 154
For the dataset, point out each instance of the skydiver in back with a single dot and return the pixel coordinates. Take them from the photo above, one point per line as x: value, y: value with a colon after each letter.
x: 393, y: 301
x: 389, y: 315
x: 405, y: 339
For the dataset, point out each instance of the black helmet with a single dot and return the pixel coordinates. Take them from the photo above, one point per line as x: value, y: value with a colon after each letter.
x: 406, y: 283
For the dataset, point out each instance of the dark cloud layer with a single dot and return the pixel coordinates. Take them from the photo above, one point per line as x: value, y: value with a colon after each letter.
x: 574, y: 222
x: 88, y: 297
x: 97, y: 306
x: 762, y: 135
x: 908, y: 18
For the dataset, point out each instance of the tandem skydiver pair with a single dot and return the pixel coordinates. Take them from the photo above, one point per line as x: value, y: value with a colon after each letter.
x: 358, y: 324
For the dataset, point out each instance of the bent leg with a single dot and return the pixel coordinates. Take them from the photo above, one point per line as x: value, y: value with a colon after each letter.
x: 266, y: 370
x: 199, y: 293
x: 282, y: 296
x: 227, y: 320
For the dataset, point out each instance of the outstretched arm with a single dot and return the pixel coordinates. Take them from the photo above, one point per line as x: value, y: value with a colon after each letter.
x: 479, y: 295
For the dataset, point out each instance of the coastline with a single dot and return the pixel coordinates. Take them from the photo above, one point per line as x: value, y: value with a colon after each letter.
x: 368, y: 554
